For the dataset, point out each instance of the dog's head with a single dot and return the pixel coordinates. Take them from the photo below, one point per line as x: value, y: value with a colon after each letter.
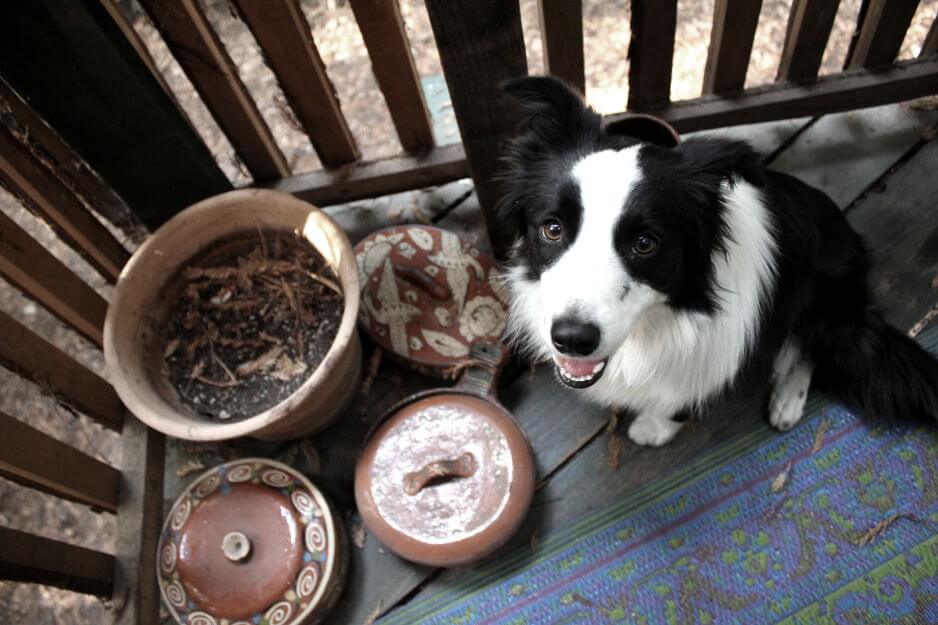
x: 607, y: 226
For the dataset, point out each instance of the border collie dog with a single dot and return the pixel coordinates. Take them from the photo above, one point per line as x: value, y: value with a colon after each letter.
x: 656, y: 278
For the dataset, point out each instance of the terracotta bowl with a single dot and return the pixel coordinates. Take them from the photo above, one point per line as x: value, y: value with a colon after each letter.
x: 139, y: 308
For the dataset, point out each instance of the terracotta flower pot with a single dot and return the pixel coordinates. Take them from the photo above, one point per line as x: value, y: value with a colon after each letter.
x: 138, y: 309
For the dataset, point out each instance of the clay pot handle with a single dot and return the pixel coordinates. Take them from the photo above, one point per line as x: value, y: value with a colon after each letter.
x: 423, y: 281
x: 440, y: 471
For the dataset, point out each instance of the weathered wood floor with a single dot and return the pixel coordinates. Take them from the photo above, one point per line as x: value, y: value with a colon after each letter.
x: 880, y: 165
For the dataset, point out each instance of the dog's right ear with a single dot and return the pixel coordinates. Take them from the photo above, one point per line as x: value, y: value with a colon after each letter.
x: 553, y: 111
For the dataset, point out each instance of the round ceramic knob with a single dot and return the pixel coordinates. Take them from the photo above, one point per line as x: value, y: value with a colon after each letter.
x: 236, y: 546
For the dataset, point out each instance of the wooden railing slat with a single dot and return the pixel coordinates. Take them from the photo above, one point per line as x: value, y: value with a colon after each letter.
x: 930, y: 45
x: 40, y: 190
x: 734, y: 28
x: 33, y: 559
x: 809, y: 28
x: 830, y: 94
x: 374, y: 178
x: 562, y: 33
x: 27, y: 264
x: 881, y: 32
x: 481, y: 45
x: 382, y: 29
x: 35, y: 459
x: 283, y: 33
x: 136, y: 595
x: 651, y: 51
x: 203, y: 57
x: 32, y: 357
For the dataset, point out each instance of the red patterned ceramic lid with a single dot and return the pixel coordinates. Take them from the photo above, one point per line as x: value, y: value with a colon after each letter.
x: 249, y: 542
x: 427, y: 295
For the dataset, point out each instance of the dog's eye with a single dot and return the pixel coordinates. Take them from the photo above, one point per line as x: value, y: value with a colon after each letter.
x: 552, y: 230
x: 644, y: 244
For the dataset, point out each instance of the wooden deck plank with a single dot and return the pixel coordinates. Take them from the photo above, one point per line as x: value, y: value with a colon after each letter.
x: 285, y: 37
x: 34, y: 559
x: 881, y: 32
x: 385, y: 36
x: 561, y: 23
x: 734, y: 28
x: 26, y: 264
x: 844, y: 153
x: 206, y: 62
x: 651, y: 52
x: 26, y: 353
x: 766, y: 137
x: 30, y: 181
x: 830, y: 94
x: 35, y: 459
x: 481, y: 44
x: 88, y: 82
x: 809, y: 27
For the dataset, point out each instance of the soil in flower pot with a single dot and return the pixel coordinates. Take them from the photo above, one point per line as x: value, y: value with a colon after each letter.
x: 252, y: 319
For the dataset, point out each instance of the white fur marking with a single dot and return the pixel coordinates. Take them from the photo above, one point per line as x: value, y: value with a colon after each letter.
x: 653, y: 429
x: 791, y: 379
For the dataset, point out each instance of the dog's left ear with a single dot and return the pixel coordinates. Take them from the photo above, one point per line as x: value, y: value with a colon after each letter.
x: 554, y: 112
x: 643, y: 127
x: 721, y: 159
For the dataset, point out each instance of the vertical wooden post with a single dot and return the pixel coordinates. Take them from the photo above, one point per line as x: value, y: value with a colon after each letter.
x: 651, y: 52
x: 734, y: 28
x: 481, y: 44
x: 882, y: 28
x: 930, y: 45
x: 136, y: 595
x: 562, y: 32
x: 809, y: 28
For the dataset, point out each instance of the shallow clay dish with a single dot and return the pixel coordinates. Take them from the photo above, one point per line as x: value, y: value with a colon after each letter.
x: 251, y: 541
x: 139, y: 307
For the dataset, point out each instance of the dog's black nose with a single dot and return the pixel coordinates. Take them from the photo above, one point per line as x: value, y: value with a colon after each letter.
x: 574, y: 338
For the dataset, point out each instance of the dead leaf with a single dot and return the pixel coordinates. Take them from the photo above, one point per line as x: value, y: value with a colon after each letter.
x: 373, y: 616
x: 170, y: 348
x: 358, y: 533
x: 779, y: 482
x: 534, y: 540
x: 311, y: 455
x: 262, y: 363
x: 819, y: 435
x: 374, y: 364
x: 614, y: 442
x: 193, y: 465
x: 286, y: 368
x: 923, y: 323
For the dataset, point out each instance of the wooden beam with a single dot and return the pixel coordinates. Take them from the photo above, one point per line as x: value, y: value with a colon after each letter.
x: 481, y: 44
x: 562, y: 32
x: 651, y: 51
x: 35, y: 459
x: 37, y: 560
x: 809, y: 27
x: 90, y: 84
x: 39, y: 274
x: 114, y: 10
x: 61, y: 159
x: 374, y: 178
x: 136, y: 595
x: 28, y: 354
x: 881, y: 32
x: 385, y: 36
x: 285, y: 38
x: 734, y: 28
x: 930, y: 45
x: 35, y: 185
x: 203, y: 57
x: 830, y: 94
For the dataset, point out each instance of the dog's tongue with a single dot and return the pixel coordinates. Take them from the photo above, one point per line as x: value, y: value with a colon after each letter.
x: 578, y: 368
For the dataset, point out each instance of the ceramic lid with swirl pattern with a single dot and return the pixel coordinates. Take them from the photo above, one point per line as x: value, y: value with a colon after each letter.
x: 250, y: 541
x: 427, y: 296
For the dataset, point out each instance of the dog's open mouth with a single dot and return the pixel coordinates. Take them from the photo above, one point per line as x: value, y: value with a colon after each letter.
x: 578, y: 373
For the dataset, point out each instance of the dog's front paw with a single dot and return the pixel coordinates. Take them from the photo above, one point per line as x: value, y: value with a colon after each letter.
x: 652, y: 431
x: 786, y: 404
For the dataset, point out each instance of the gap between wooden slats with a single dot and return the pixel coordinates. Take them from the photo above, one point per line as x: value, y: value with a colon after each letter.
x: 203, y: 57
x: 734, y: 28
x: 39, y: 190
x: 39, y: 274
x: 32, y: 357
x: 651, y: 52
x: 284, y: 36
x: 881, y: 31
x: 35, y: 459
x: 809, y: 27
x: 383, y: 31
x: 562, y: 31
x: 34, y: 559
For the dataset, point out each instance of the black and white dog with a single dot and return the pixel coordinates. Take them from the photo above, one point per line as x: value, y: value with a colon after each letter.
x: 655, y: 278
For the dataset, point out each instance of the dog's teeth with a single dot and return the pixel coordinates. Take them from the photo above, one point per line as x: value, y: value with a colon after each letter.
x: 599, y: 367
